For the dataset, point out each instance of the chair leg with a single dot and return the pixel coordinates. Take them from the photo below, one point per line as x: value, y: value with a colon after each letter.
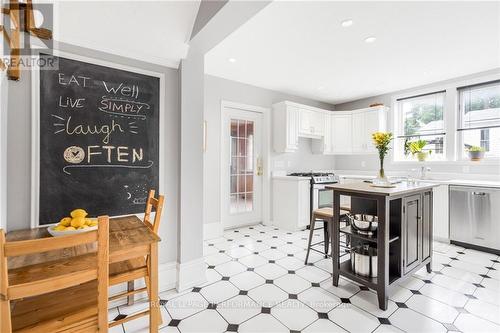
x: 130, y: 287
x: 311, y: 232
x: 146, y: 280
x: 5, y: 323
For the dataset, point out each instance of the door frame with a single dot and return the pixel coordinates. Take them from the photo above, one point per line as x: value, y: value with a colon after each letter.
x: 266, y: 155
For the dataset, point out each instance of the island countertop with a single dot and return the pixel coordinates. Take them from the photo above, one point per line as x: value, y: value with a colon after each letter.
x: 363, y: 187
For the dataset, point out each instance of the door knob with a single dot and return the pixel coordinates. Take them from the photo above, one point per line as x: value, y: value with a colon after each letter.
x: 259, y: 166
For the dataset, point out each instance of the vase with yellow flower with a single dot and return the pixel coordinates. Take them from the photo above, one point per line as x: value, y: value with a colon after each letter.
x: 382, y: 141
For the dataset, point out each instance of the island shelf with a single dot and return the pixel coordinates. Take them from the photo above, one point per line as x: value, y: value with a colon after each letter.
x: 403, y: 238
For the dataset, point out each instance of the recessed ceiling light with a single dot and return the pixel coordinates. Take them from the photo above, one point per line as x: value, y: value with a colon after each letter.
x: 231, y: 60
x: 346, y: 23
x: 370, y: 39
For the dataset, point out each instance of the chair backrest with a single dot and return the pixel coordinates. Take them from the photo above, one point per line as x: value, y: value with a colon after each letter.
x: 157, y: 204
x: 51, y: 277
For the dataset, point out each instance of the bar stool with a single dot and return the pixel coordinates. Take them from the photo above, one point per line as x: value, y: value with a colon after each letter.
x: 326, y: 215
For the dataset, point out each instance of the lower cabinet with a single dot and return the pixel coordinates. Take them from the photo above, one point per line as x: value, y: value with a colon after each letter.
x: 416, y: 230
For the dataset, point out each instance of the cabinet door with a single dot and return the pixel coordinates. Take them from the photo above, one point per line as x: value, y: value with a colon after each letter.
x: 358, y: 132
x: 426, y: 225
x: 372, y: 125
x: 341, y: 134
x: 318, y: 123
x: 292, y: 128
x: 412, y: 234
x: 305, y: 123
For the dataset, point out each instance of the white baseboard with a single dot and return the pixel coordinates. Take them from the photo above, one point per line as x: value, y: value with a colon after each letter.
x: 190, y: 274
x: 212, y: 230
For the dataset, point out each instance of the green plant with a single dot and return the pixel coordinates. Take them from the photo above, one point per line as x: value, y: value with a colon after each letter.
x: 415, y: 147
x: 474, y: 148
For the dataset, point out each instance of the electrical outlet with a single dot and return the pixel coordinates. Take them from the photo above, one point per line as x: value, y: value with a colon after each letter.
x: 466, y: 169
x: 363, y: 164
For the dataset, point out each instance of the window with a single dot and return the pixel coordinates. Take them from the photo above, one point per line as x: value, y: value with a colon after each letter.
x: 421, y: 118
x: 479, y: 118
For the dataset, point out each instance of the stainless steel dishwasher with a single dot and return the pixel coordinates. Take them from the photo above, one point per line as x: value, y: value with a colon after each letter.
x: 475, y: 216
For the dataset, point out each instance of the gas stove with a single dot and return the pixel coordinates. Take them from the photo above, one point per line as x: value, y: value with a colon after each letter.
x: 318, y: 177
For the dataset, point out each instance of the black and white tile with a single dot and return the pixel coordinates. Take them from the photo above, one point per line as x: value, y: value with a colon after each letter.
x: 257, y: 282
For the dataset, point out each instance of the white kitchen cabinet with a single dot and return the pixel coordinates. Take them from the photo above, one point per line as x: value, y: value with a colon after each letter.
x: 291, y: 202
x: 440, y: 213
x: 364, y: 123
x: 285, y: 127
x: 311, y: 123
x: 324, y: 146
x: 341, y: 133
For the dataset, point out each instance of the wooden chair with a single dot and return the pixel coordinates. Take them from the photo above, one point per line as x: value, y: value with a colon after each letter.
x: 137, y: 268
x: 65, y: 295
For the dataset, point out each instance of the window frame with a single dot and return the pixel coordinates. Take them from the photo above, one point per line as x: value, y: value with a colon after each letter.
x: 399, y: 156
x: 460, y: 153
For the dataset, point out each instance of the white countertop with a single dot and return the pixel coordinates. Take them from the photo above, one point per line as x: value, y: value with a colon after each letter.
x: 444, y: 181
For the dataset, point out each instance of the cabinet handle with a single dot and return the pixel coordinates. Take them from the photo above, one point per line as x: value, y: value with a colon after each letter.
x: 479, y: 193
x: 312, y: 129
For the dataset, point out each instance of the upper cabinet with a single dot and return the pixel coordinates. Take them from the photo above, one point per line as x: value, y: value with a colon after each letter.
x: 364, y: 123
x: 311, y: 123
x: 333, y: 132
x: 285, y: 127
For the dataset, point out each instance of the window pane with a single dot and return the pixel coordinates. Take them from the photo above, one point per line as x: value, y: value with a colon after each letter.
x: 488, y: 139
x: 480, y: 106
x: 421, y: 119
x: 242, y: 165
x: 423, y: 115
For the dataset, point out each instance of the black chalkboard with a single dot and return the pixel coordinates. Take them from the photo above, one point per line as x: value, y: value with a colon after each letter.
x: 98, y: 139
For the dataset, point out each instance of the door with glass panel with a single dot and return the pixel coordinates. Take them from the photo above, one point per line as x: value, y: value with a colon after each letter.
x: 241, y: 167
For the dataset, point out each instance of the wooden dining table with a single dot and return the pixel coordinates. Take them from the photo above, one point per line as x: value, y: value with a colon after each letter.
x: 129, y: 238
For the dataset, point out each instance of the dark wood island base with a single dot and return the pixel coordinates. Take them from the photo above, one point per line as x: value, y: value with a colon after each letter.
x: 403, y: 238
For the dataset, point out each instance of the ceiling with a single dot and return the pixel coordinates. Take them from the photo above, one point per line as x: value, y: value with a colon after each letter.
x: 152, y: 31
x: 301, y: 47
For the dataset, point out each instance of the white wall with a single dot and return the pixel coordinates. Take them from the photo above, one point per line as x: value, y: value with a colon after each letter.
x: 371, y: 163
x: 18, y: 150
x: 217, y: 90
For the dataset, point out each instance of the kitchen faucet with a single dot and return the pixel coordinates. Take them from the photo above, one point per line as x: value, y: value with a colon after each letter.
x: 423, y: 171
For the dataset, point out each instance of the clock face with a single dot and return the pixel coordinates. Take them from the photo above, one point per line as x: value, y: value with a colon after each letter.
x: 74, y: 154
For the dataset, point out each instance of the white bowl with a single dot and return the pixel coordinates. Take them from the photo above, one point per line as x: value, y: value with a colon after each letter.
x: 57, y: 233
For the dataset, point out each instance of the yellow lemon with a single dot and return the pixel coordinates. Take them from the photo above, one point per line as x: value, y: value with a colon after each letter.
x: 65, y: 221
x: 93, y: 224
x: 59, y: 228
x: 69, y: 228
x: 78, y: 213
x: 77, y: 222
x: 84, y: 227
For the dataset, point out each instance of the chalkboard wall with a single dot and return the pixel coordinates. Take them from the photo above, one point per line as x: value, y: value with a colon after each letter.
x: 99, y: 139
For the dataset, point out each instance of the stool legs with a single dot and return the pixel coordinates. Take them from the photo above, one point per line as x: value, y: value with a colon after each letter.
x: 311, y: 232
x: 325, y: 237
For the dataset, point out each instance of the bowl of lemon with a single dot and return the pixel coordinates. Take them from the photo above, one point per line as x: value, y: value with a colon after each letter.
x: 77, y: 223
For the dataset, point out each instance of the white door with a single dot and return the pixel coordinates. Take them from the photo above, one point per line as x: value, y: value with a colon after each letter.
x: 241, y: 162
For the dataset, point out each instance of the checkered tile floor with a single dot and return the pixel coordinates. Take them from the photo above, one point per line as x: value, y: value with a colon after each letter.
x: 257, y: 282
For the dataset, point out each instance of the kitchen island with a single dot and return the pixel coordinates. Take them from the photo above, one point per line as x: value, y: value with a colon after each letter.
x: 401, y: 242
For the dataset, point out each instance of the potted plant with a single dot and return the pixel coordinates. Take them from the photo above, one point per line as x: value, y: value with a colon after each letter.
x: 381, y: 140
x: 476, y: 153
x: 417, y: 148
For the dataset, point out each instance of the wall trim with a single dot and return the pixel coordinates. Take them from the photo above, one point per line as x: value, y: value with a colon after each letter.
x: 212, y: 230
x: 191, y: 274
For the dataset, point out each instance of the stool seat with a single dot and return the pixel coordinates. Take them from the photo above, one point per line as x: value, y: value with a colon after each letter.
x: 328, y: 212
